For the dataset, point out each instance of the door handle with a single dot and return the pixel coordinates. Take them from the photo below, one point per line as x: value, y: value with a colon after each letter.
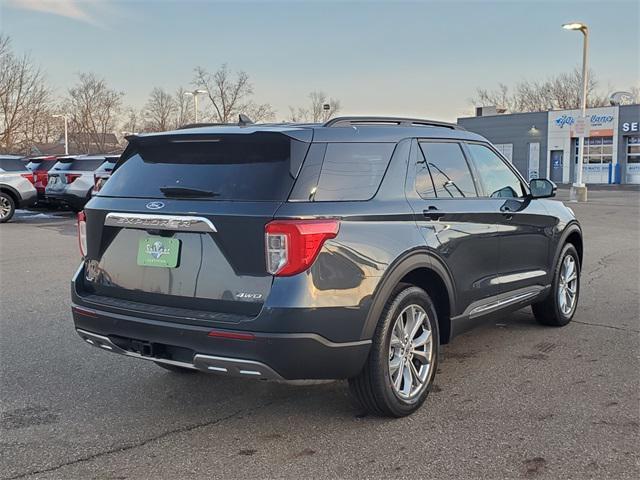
x: 432, y: 213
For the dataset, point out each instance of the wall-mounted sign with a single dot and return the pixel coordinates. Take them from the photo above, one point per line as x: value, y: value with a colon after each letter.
x: 599, y: 122
x: 630, y: 127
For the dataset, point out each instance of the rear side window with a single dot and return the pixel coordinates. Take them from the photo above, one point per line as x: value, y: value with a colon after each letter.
x: 498, y: 179
x: 243, y: 167
x: 12, y: 165
x: 41, y: 166
x: 444, y: 173
x: 352, y: 171
x: 107, y: 166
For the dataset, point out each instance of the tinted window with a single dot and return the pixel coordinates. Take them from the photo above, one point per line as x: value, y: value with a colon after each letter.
x: 86, y: 165
x: 352, y: 171
x: 447, y: 168
x: 107, y: 166
x: 12, y: 165
x: 251, y: 167
x: 498, y: 179
x: 41, y: 165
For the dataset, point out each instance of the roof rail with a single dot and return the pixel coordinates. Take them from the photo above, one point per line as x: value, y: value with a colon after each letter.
x: 398, y: 121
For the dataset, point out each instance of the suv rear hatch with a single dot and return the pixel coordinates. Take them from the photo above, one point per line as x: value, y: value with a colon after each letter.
x: 68, y: 169
x: 181, y: 223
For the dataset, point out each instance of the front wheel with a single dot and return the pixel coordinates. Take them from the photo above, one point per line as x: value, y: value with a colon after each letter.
x: 403, y: 359
x: 559, y: 307
x: 7, y: 207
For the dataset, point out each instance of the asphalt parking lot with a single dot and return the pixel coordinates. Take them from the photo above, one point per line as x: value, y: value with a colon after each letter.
x: 512, y: 399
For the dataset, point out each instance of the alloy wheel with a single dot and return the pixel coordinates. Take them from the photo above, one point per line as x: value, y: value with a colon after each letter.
x: 5, y: 207
x: 568, y: 285
x: 410, y: 352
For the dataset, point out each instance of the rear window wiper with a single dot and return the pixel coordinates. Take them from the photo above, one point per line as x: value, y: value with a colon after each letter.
x: 187, y: 192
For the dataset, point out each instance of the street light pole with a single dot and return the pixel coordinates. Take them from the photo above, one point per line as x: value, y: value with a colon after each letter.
x: 579, y: 189
x: 66, y: 138
x: 195, y: 94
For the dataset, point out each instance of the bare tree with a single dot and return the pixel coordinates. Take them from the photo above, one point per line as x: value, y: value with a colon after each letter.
x: 24, y: 97
x: 132, y: 122
x: 230, y: 95
x: 159, y: 111
x: 93, y: 109
x: 560, y: 92
x: 318, y: 102
x: 184, y: 109
x: 316, y: 111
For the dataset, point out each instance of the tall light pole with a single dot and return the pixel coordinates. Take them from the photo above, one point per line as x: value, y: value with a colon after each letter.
x: 195, y: 94
x: 66, y: 138
x: 579, y: 189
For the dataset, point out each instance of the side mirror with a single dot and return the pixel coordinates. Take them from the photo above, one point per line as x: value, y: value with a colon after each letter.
x: 542, y: 188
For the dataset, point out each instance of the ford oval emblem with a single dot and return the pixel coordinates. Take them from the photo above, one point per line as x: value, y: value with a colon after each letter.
x: 155, y: 205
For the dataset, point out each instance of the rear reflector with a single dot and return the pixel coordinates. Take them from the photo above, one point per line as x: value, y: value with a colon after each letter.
x: 293, y: 245
x: 85, y: 312
x: 232, y: 335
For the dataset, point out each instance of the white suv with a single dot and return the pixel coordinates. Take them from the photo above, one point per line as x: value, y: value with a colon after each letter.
x: 16, y: 186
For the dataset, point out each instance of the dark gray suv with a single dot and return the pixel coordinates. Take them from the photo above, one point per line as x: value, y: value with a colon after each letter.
x: 352, y: 249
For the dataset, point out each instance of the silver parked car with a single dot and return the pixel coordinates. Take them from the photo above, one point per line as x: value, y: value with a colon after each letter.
x: 16, y: 186
x: 71, y: 180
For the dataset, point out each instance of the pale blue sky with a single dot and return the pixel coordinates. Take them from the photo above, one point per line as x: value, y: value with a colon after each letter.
x: 421, y: 58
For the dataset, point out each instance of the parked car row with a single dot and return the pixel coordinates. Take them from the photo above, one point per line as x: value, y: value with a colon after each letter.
x: 49, y: 181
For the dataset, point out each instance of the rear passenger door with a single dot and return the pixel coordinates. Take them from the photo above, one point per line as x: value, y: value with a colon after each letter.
x: 456, y: 222
x: 524, y: 225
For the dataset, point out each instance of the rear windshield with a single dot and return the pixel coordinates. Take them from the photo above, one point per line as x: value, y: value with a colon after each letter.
x: 12, y: 165
x: 244, y: 167
x: 41, y: 165
x: 78, y: 164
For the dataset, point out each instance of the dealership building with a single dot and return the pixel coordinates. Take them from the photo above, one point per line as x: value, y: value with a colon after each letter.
x: 544, y: 144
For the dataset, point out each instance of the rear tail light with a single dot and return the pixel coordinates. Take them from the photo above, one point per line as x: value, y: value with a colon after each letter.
x: 82, y: 233
x: 71, y: 177
x: 42, y: 177
x: 29, y: 176
x: 293, y: 245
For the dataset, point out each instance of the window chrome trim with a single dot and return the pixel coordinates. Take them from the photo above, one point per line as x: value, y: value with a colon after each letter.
x: 145, y: 221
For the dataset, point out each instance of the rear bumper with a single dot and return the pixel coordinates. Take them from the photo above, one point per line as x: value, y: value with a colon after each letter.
x: 74, y: 201
x: 289, y: 356
x: 28, y: 199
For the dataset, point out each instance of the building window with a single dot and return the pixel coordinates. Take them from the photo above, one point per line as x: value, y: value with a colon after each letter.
x: 633, y: 149
x: 506, y: 149
x: 596, y: 150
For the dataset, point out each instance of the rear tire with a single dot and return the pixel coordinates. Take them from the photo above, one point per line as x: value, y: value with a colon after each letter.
x: 176, y: 368
x: 558, y: 308
x: 403, y: 360
x: 7, y: 207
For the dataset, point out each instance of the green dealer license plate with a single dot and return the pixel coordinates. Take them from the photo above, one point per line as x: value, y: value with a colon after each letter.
x: 158, y: 252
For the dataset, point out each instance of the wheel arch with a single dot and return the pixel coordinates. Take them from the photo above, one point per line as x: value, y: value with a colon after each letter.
x: 422, y: 269
x: 13, y: 193
x: 572, y: 234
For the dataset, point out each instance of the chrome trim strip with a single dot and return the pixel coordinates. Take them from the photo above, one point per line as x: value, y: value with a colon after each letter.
x: 501, y: 303
x: 236, y: 367
x: 146, y: 221
x: 516, y: 277
x: 105, y: 343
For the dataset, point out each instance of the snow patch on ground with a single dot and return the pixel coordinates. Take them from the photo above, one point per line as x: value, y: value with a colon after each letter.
x: 28, y: 215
